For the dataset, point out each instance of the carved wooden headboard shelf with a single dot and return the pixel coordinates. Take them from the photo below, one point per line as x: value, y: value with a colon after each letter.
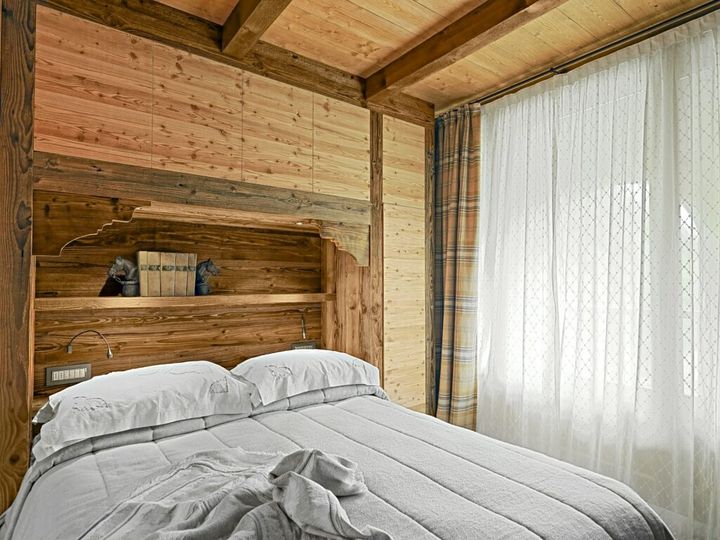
x: 280, y: 253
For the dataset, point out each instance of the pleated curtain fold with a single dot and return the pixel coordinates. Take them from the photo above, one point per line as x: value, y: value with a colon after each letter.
x: 457, y: 192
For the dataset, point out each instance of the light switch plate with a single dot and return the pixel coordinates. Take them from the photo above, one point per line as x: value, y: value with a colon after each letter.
x: 74, y: 373
x: 304, y: 345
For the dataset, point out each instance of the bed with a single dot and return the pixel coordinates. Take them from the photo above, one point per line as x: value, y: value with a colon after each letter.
x: 424, y: 478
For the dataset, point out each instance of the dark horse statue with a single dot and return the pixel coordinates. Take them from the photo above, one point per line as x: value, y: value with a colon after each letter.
x: 125, y: 272
x: 203, y: 271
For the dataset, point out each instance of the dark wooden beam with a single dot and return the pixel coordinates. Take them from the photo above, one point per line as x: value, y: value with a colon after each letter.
x: 376, y: 301
x: 485, y: 24
x: 157, y: 22
x: 430, y: 270
x: 405, y: 107
x: 247, y: 23
x: 17, y: 85
x: 64, y: 174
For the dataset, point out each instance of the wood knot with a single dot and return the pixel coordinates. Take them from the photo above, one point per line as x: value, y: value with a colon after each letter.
x: 14, y: 459
x: 23, y: 217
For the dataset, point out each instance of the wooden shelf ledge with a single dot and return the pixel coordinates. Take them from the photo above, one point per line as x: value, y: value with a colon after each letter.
x: 120, y: 302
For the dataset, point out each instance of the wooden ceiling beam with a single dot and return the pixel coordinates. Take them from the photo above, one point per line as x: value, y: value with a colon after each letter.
x: 163, y: 24
x: 247, y: 22
x: 485, y: 24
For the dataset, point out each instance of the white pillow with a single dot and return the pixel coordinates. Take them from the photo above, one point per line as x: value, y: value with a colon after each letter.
x: 289, y: 373
x: 136, y: 398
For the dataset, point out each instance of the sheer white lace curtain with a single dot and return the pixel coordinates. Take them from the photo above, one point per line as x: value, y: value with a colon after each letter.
x: 599, y: 276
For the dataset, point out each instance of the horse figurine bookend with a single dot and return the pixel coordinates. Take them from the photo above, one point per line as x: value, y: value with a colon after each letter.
x: 125, y: 272
x: 203, y: 272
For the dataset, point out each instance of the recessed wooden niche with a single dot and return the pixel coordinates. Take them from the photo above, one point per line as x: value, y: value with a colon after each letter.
x: 283, y: 254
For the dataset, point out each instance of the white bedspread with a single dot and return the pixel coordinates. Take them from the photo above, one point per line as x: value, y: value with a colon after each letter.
x: 424, y: 478
x: 238, y: 495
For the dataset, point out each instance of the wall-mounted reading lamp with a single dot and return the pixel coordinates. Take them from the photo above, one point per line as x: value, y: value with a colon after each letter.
x: 70, y: 374
x: 69, y: 345
x: 305, y: 343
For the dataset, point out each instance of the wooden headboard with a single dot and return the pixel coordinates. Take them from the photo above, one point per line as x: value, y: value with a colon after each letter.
x: 268, y: 278
x: 273, y: 272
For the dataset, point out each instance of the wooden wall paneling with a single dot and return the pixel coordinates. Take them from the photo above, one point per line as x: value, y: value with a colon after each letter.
x: 430, y: 269
x: 404, y: 215
x: 247, y: 22
x: 341, y: 149
x: 404, y: 305
x: 140, y: 338
x: 277, y: 133
x: 60, y: 218
x: 17, y: 83
x: 169, y: 26
x: 81, y: 176
x: 251, y: 261
x: 403, y: 163
x: 197, y: 115
x: 94, y: 90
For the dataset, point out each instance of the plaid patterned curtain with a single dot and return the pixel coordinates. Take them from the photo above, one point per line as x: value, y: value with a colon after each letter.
x: 457, y: 198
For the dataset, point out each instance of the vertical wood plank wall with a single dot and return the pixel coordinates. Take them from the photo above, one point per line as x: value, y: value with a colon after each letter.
x: 107, y: 95
x: 17, y: 61
x: 404, y: 262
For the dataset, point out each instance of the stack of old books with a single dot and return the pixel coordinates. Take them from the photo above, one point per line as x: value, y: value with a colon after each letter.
x: 167, y: 274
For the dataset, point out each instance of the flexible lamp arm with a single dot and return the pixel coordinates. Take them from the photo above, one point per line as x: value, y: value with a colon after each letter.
x: 302, y: 325
x: 69, y: 345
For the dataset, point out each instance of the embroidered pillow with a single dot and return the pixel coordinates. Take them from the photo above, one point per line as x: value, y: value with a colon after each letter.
x: 289, y: 373
x: 136, y: 398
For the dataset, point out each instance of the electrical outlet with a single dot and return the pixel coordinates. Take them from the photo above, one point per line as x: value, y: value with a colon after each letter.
x: 57, y: 375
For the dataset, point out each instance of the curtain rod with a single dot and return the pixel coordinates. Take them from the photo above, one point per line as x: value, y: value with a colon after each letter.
x: 612, y: 47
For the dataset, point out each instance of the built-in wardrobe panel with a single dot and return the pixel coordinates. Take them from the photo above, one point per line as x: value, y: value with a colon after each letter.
x: 197, y: 115
x: 277, y: 133
x: 104, y: 94
x: 403, y: 163
x: 341, y: 157
x: 93, y: 91
x: 404, y: 262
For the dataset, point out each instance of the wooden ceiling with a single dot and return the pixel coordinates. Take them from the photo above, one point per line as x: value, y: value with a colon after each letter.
x: 386, y: 41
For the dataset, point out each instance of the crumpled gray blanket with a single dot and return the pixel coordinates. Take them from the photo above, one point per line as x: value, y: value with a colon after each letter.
x: 237, y: 495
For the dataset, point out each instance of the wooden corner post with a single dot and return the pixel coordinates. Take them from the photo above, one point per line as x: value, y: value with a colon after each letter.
x: 430, y: 270
x: 17, y: 84
x: 377, y: 264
